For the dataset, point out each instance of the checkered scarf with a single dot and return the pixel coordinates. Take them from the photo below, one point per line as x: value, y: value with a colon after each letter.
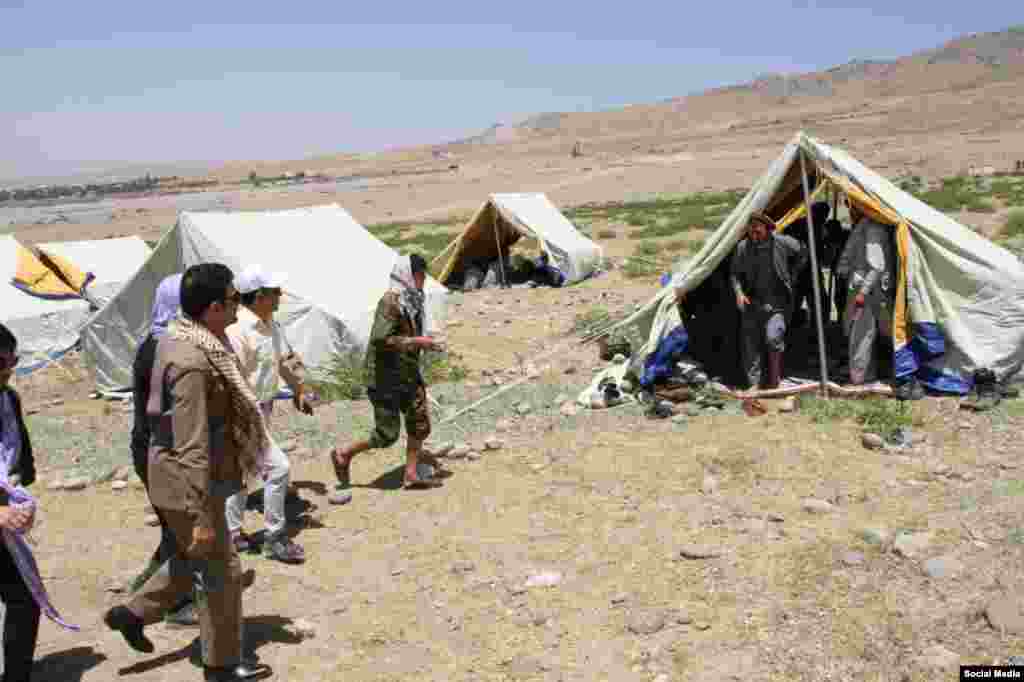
x: 248, y: 432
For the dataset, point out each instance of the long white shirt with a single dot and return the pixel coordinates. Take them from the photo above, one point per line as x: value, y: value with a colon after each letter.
x: 259, y: 347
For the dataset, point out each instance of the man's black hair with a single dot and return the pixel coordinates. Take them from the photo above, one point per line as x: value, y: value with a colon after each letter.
x: 8, y: 341
x: 203, y: 285
x: 417, y: 263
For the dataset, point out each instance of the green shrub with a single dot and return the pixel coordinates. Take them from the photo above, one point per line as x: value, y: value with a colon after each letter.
x: 590, y: 321
x: 342, y: 378
x: 443, y: 368
x: 877, y: 415
x: 1014, y: 226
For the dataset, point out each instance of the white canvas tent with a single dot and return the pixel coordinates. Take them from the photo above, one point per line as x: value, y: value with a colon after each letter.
x: 337, y: 271
x: 45, y: 324
x: 957, y: 290
x: 503, y: 220
x: 110, y: 263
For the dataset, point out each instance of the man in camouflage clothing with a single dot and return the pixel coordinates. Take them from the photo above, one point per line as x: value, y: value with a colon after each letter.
x: 395, y: 384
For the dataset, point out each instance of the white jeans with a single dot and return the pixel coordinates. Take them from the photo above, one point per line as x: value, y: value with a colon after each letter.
x: 275, y: 488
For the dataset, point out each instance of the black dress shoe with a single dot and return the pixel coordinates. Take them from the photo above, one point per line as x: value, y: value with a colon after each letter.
x: 121, y: 619
x: 243, y: 671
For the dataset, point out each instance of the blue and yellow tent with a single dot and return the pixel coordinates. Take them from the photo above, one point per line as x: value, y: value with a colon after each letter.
x: 960, y: 297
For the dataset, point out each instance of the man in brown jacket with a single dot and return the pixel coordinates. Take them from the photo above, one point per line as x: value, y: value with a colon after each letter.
x: 207, y: 433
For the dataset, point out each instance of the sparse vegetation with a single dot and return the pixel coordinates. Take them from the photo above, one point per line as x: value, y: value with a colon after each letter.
x: 443, y: 368
x: 344, y: 376
x: 607, y: 234
x: 1009, y: 190
x: 591, y: 320
x: 664, y: 216
x: 877, y: 415
x: 1014, y: 226
x: 429, y: 239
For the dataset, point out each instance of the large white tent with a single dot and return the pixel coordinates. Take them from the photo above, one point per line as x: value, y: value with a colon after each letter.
x: 503, y: 220
x: 45, y: 320
x: 337, y: 271
x: 960, y: 297
x: 109, y: 263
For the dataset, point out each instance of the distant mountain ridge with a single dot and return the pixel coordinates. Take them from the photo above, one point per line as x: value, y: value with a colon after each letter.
x: 986, y: 50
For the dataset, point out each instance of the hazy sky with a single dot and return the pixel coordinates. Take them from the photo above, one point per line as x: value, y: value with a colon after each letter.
x: 219, y: 79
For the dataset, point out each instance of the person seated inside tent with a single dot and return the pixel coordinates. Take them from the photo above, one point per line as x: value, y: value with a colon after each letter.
x: 764, y: 269
x: 868, y: 264
x: 545, y: 274
x: 804, y: 289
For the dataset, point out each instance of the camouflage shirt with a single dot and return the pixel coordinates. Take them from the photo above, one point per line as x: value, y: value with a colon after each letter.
x: 392, y: 361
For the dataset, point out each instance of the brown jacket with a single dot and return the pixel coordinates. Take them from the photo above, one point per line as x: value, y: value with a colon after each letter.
x: 191, y: 458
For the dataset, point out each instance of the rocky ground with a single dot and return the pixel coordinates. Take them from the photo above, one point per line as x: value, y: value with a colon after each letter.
x: 574, y: 544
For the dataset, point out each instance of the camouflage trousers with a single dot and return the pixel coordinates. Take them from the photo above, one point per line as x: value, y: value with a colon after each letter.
x: 388, y: 410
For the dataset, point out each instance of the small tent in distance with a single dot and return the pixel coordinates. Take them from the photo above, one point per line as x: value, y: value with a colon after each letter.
x: 959, y: 297
x: 42, y: 311
x: 97, y: 268
x: 337, y: 271
x: 502, y: 222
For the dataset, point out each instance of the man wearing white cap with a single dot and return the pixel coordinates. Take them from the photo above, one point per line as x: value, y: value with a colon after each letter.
x: 266, y: 358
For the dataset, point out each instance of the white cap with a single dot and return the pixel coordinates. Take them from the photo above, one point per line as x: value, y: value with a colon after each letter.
x: 255, y: 277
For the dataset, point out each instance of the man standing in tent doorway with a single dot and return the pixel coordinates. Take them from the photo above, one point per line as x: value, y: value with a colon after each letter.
x: 395, y: 383
x: 266, y: 358
x: 868, y: 263
x: 764, y: 270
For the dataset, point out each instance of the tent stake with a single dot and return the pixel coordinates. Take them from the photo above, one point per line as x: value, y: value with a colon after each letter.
x: 815, y: 279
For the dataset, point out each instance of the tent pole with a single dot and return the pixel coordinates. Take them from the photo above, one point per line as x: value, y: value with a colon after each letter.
x: 815, y: 279
x: 497, y: 242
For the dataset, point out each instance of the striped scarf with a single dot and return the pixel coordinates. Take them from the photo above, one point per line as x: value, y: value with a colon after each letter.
x: 248, y: 432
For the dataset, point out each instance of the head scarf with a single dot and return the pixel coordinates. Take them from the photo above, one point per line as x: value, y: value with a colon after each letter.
x: 410, y: 297
x: 166, y: 304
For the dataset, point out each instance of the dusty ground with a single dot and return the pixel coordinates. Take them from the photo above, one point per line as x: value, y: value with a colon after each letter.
x: 434, y: 585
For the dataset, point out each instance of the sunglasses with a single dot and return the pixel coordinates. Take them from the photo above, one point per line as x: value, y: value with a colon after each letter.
x: 9, y: 361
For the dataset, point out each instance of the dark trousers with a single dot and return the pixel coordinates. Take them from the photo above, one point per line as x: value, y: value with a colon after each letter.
x: 166, y: 549
x: 21, y: 624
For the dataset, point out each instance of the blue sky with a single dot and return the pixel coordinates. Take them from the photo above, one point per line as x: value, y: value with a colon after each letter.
x: 215, y: 80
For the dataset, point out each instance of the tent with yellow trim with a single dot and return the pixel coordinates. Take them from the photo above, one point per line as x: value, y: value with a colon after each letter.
x: 959, y: 298
x: 98, y: 268
x: 43, y: 312
x: 504, y: 220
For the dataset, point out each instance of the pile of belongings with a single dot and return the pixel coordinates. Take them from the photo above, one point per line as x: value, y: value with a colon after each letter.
x: 610, y: 393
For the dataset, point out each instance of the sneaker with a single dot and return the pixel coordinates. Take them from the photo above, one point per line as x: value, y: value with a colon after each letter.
x: 185, y: 617
x: 340, y: 496
x: 285, y: 551
x: 908, y: 390
x: 131, y: 627
x: 242, y: 542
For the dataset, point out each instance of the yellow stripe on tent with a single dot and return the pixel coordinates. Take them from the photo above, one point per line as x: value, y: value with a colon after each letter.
x: 874, y: 210
x: 66, y: 270
x: 800, y: 210
x: 900, y: 320
x: 33, y: 277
